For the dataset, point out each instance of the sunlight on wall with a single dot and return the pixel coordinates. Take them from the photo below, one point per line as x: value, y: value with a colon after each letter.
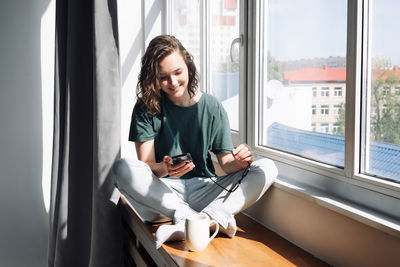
x: 47, y: 40
x: 138, y: 23
x: 130, y: 41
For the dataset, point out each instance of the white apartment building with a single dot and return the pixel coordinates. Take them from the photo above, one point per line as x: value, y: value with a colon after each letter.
x: 328, y: 94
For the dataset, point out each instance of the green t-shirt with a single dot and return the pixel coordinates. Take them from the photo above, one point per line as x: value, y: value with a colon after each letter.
x: 197, y: 129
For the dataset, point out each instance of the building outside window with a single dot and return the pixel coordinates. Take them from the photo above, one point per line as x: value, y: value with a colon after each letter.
x: 223, y: 61
x: 336, y: 109
x: 384, y: 109
x: 296, y: 69
x: 286, y: 76
x: 219, y: 74
x: 324, y: 77
x: 325, y: 91
x: 386, y: 91
x: 338, y: 91
x: 335, y: 128
x: 324, y: 128
x: 373, y: 112
x: 324, y: 109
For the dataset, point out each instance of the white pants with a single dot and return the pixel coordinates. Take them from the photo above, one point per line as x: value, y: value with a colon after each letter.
x: 178, y: 198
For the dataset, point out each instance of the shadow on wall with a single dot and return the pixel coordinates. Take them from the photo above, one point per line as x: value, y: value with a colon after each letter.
x: 24, y: 221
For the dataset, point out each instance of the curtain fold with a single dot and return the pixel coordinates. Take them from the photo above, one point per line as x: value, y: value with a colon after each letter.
x: 84, y: 223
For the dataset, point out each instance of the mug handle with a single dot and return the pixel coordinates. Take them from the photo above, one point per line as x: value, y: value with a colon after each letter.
x: 216, y: 229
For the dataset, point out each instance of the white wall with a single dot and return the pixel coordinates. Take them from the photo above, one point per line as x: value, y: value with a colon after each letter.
x: 333, y: 237
x: 26, y: 85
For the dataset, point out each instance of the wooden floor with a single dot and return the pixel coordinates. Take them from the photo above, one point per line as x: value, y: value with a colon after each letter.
x: 253, y: 245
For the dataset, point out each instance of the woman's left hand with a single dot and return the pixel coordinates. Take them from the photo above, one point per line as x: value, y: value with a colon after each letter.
x: 243, y: 155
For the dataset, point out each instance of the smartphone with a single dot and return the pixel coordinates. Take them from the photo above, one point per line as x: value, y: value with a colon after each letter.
x: 179, y: 158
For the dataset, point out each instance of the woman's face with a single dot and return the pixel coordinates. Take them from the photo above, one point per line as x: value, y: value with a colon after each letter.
x: 174, y: 76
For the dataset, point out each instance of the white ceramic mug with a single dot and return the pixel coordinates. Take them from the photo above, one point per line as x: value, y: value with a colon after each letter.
x: 198, y: 232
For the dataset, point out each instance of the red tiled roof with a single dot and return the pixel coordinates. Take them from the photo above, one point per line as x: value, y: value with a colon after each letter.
x: 230, y: 4
x: 326, y: 74
x: 383, y: 74
x: 224, y: 20
x: 227, y: 20
x: 315, y: 74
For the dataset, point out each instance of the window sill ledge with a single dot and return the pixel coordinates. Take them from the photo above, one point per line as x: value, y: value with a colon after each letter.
x: 342, y: 206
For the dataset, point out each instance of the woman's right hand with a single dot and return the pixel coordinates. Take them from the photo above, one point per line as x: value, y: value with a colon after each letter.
x: 179, y: 169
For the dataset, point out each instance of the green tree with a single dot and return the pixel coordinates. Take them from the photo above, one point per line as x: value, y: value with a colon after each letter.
x: 385, y: 106
x: 390, y: 121
x: 385, y: 121
x: 341, y: 119
x: 274, y: 70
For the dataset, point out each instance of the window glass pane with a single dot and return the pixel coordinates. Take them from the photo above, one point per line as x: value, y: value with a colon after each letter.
x: 224, y: 28
x: 304, y: 67
x: 224, y: 69
x: 186, y: 26
x: 382, y: 149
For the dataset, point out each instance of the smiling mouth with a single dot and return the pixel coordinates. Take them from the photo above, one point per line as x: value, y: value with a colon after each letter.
x: 175, y: 88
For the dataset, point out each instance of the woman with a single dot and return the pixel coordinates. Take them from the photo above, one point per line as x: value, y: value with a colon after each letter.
x: 172, y: 117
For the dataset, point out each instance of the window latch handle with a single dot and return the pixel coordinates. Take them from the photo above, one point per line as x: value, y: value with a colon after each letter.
x: 236, y: 40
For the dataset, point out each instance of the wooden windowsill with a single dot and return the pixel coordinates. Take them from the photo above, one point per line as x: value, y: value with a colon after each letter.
x: 253, y: 245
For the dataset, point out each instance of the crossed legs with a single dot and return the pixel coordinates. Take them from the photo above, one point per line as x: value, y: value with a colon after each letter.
x: 180, y: 198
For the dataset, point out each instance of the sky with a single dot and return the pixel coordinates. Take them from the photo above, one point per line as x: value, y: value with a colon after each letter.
x: 317, y: 28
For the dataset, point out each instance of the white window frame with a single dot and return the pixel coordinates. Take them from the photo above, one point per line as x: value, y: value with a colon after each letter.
x: 347, y: 182
x: 378, y: 193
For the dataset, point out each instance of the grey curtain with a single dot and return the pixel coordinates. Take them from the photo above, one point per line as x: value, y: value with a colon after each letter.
x: 84, y: 223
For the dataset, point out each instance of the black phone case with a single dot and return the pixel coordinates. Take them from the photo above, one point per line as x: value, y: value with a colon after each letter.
x: 179, y: 158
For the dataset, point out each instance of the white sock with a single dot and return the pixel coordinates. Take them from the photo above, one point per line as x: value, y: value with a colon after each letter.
x: 229, y: 231
x: 168, y: 232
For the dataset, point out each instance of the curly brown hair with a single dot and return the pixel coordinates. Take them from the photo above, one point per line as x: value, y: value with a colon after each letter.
x: 148, y: 87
